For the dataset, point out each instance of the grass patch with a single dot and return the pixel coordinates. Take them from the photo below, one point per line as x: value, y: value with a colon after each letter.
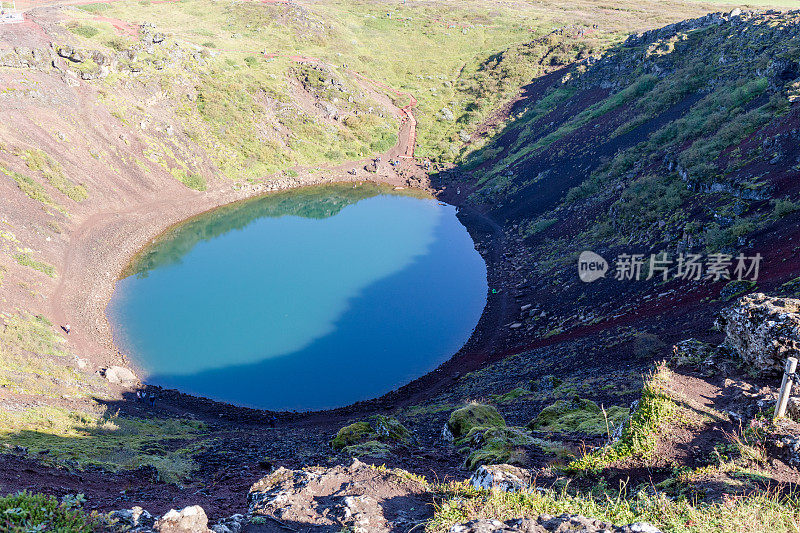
x: 25, y: 259
x: 53, y: 172
x: 84, y: 30
x: 579, y: 415
x: 192, y: 180
x: 31, y: 188
x: 759, y: 512
x: 33, y: 361
x: 656, y: 410
x: 85, y: 439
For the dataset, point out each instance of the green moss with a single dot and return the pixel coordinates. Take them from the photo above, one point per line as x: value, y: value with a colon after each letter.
x: 352, y: 434
x: 495, y: 445
x: 655, y: 411
x: 372, y: 448
x: 30, y: 187
x: 39, y: 161
x: 474, y: 415
x: 390, y: 429
x: 510, y: 395
x: 578, y: 415
x: 379, y: 428
x: 84, y: 30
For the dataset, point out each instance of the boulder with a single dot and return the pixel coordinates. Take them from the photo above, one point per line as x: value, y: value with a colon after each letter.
x: 134, y: 518
x: 763, y: 331
x: 503, y: 478
x: 188, y: 520
x: 474, y: 415
x: 119, y: 374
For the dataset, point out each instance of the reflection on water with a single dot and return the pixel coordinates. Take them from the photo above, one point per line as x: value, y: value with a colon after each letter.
x: 310, y: 299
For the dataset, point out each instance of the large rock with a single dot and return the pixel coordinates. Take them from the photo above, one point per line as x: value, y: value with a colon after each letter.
x: 134, y: 518
x: 474, y: 415
x: 763, y: 331
x: 188, y: 520
x: 504, y: 478
x: 119, y: 374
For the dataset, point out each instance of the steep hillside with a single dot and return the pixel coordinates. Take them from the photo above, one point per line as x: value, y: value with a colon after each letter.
x: 680, y: 140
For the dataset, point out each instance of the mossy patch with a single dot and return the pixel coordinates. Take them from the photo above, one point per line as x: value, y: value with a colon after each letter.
x: 352, y: 434
x: 511, y: 395
x: 578, y: 415
x: 474, y: 415
x: 378, y: 428
x: 655, y: 412
x: 494, y: 445
x: 373, y: 448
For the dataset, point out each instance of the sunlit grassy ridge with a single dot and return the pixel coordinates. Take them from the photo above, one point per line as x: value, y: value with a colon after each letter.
x: 459, y: 59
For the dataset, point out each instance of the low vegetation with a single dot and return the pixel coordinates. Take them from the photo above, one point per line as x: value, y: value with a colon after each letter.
x: 761, y: 512
x: 25, y: 512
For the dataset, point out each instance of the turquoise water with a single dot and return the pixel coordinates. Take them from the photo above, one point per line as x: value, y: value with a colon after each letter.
x: 304, y: 300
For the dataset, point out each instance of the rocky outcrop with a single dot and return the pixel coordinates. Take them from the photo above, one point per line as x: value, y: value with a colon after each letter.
x: 118, y: 374
x: 763, y: 331
x: 359, y: 497
x: 550, y: 524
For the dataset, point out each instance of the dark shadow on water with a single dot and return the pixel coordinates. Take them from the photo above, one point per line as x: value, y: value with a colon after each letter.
x: 323, y: 375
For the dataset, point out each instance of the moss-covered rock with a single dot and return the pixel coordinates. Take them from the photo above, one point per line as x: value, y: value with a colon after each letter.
x: 378, y: 428
x: 390, y: 429
x: 495, y: 446
x: 474, y: 415
x: 578, y: 415
x: 353, y: 434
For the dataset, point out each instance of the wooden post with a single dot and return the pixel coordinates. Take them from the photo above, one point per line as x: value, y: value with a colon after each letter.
x: 786, y: 387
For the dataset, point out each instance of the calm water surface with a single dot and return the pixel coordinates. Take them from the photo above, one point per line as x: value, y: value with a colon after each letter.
x: 303, y: 300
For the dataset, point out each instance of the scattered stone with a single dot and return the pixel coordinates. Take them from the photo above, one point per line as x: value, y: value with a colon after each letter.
x: 232, y: 524
x: 357, y: 498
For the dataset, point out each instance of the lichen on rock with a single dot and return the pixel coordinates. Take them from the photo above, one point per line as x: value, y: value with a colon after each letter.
x: 763, y: 331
